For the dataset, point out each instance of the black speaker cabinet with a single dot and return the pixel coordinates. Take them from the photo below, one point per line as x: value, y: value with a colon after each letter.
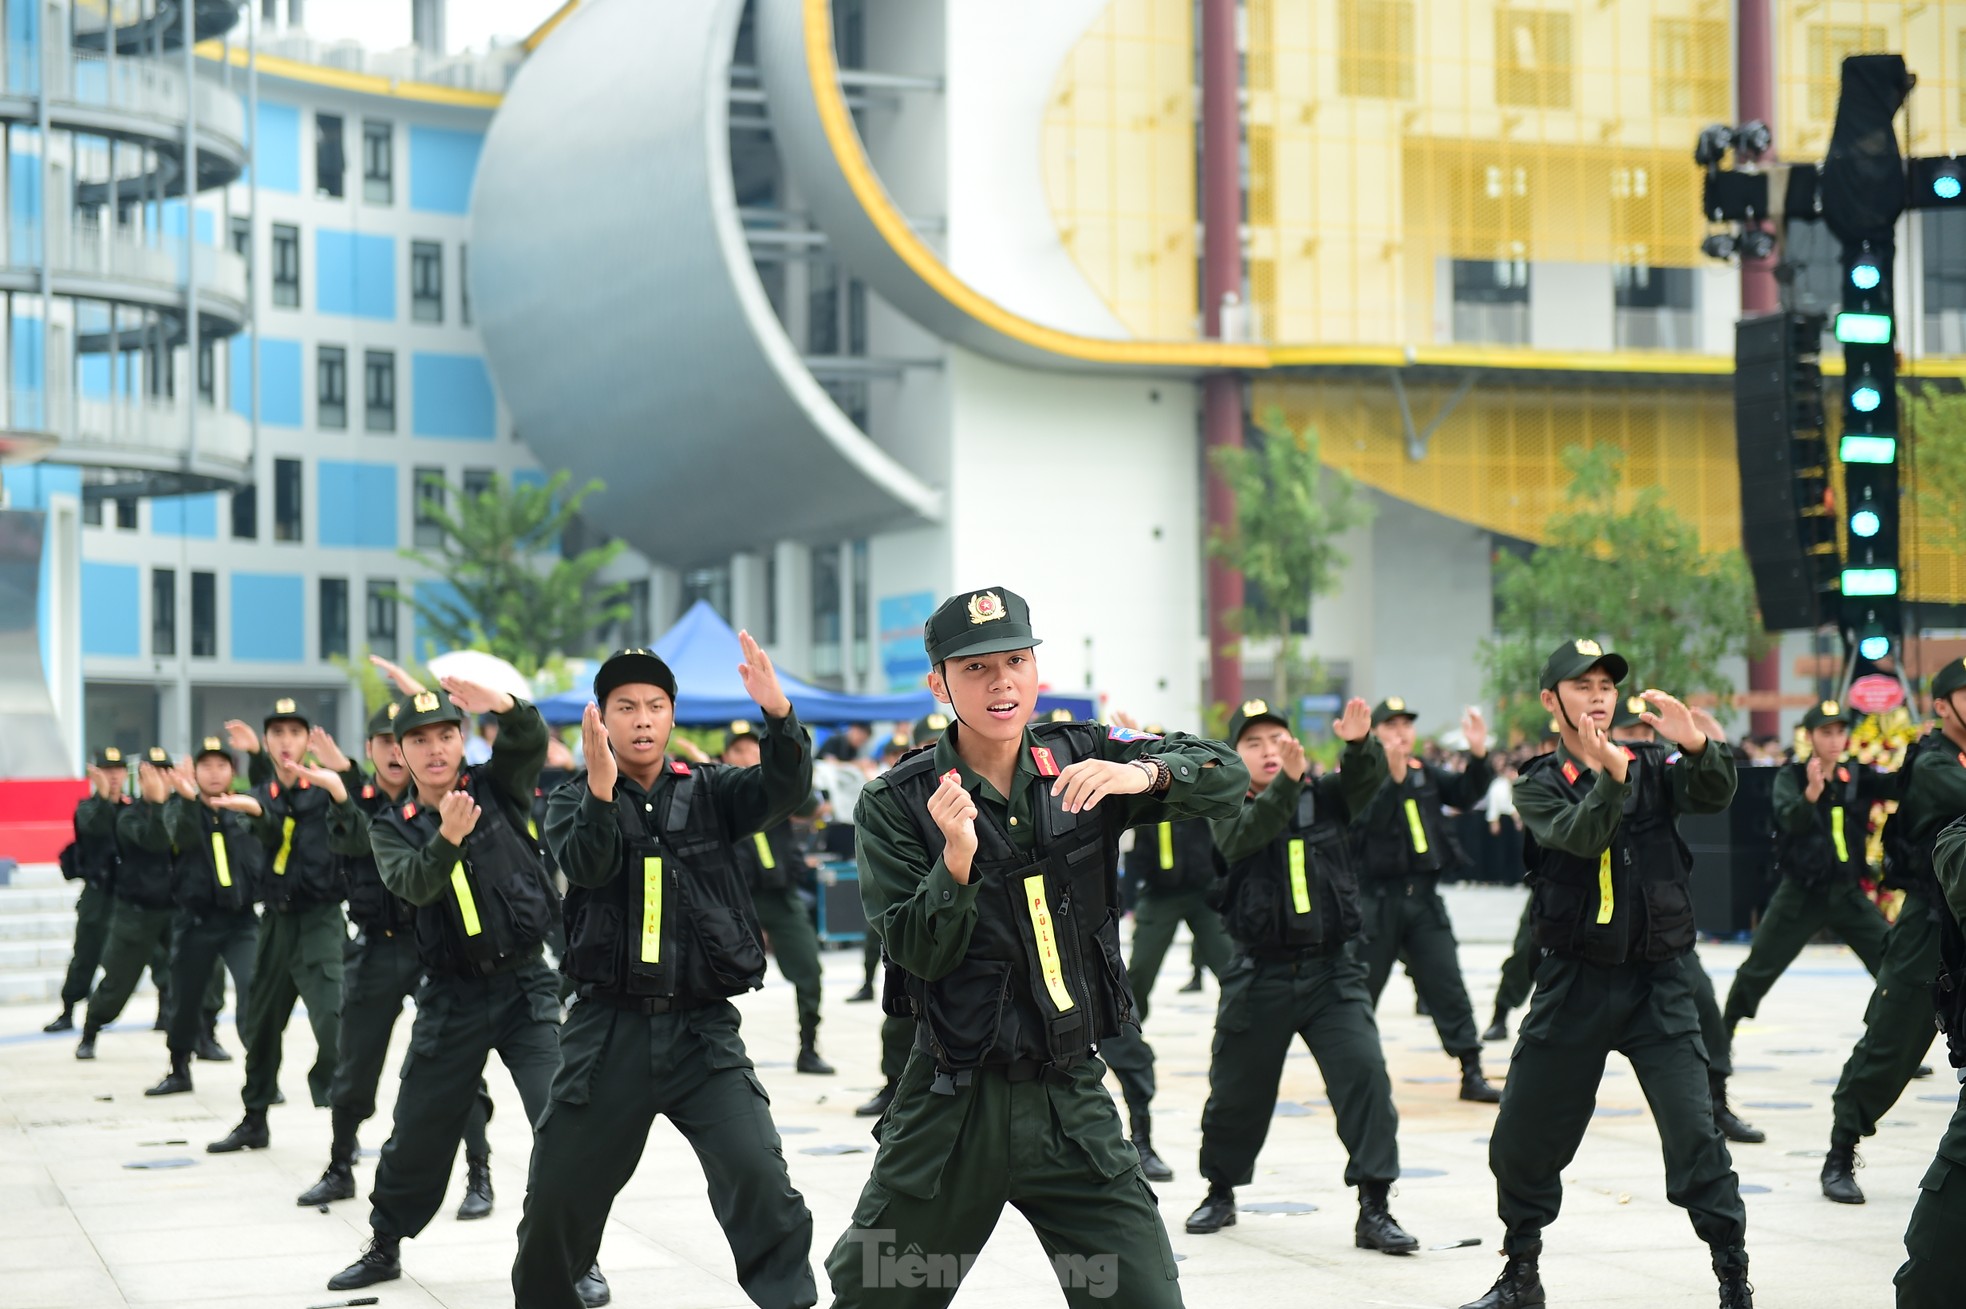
x: 1731, y: 856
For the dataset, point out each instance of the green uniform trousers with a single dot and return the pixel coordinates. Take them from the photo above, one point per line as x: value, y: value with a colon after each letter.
x: 92, y: 910
x: 618, y: 1070
x: 1795, y: 914
x: 137, y: 938
x: 1934, y: 1272
x: 205, y: 945
x: 1156, y: 915
x: 897, y: 1039
x: 1898, y: 1027
x: 1715, y: 1035
x: 1581, y: 1013
x: 795, y: 945
x: 299, y: 958
x: 948, y: 1164
x: 378, y: 973
x: 1265, y: 1002
x: 459, y: 1022
x: 1519, y: 969
x: 1405, y: 919
x: 870, y: 957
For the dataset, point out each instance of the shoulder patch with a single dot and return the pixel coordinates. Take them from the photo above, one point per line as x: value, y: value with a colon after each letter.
x: 1570, y: 773
x: 273, y: 790
x: 679, y: 768
x: 368, y: 790
x: 1126, y: 735
x: 409, y: 810
x: 1047, y: 766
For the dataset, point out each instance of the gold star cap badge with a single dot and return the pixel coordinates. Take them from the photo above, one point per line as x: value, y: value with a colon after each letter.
x: 213, y: 745
x: 1636, y: 705
x: 1831, y: 709
x: 284, y: 706
x: 1589, y: 647
x: 1395, y: 704
x: 113, y: 755
x: 159, y: 755
x: 1251, y: 708
x: 985, y: 607
x: 425, y: 702
x: 739, y: 727
x: 392, y: 709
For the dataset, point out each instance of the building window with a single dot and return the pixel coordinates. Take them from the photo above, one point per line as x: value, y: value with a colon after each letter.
x: 862, y: 602
x: 126, y: 514
x: 245, y: 514
x: 382, y: 616
x: 330, y: 163
x: 464, y: 283
x: 378, y: 162
x: 823, y: 308
x: 1491, y: 299
x: 711, y: 584
x: 477, y: 481
x: 286, y: 265
x: 826, y: 614
x: 91, y: 511
x: 379, y: 389
x: 204, y: 615
x: 1690, y: 75
x: 1829, y: 45
x: 334, y: 617
x: 1655, y: 307
x: 1532, y: 58
x: 331, y: 387
x: 239, y: 234
x: 1942, y: 265
x: 426, y: 281
x: 163, y: 611
x: 287, y: 523
x: 207, y: 370
x: 1375, y: 49
x: 635, y: 628
x: 429, y: 527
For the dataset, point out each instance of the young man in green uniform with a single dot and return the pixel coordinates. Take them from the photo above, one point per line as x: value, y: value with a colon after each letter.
x: 771, y: 862
x: 1613, y: 913
x: 302, y: 931
x: 1291, y: 901
x: 1403, y: 849
x: 660, y: 935
x: 1933, y: 1275
x: 91, y: 860
x: 380, y: 969
x: 1898, y: 1024
x: 990, y: 865
x: 457, y: 847
x: 221, y: 867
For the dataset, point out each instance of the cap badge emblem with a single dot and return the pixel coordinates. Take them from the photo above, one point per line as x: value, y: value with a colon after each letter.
x: 985, y: 606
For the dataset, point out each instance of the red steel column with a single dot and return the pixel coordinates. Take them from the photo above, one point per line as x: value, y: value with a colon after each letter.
x: 1222, y: 418
x: 1755, y: 82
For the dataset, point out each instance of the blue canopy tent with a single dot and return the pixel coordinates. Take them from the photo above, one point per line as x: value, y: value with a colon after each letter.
x: 703, y: 652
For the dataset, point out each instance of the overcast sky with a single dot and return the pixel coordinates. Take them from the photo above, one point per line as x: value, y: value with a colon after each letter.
x: 385, y: 24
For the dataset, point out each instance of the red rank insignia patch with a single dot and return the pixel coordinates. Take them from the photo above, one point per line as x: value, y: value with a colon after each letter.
x: 678, y: 767
x: 1842, y: 773
x: 368, y: 791
x: 409, y: 811
x: 273, y: 789
x: 1570, y: 773
x: 1041, y: 756
x: 1628, y: 753
x: 953, y: 775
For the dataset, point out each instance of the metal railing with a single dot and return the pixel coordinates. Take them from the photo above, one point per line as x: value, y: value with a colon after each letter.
x: 148, y: 89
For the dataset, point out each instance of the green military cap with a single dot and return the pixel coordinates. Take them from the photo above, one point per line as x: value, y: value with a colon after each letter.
x: 738, y: 730
x: 1390, y: 708
x: 157, y: 757
x: 1573, y: 659
x: 383, y: 721
x: 213, y: 745
x: 930, y: 727
x: 285, y: 710
x: 1949, y: 679
x: 110, y: 757
x: 1628, y: 711
x: 423, y: 708
x: 635, y: 666
x: 1825, y: 712
x: 978, y: 622
x: 1251, y: 712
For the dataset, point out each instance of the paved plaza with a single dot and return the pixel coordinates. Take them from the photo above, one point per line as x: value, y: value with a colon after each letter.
x: 108, y: 1198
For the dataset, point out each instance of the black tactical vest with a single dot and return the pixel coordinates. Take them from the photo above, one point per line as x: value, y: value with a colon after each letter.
x: 1832, y: 849
x: 1401, y: 833
x: 145, y: 877
x: 1908, y: 862
x: 1299, y: 894
x: 226, y: 869
x: 302, y: 871
x: 1171, y: 857
x: 769, y: 861
x: 1632, y: 902
x: 677, y: 921
x: 374, y: 908
x: 96, y: 857
x: 498, y: 906
x: 1042, y: 980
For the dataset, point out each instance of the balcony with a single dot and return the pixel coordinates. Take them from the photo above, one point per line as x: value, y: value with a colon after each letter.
x: 140, y: 101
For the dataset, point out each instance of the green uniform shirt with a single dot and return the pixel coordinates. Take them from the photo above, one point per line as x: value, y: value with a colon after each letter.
x: 583, y: 832
x: 1935, y: 790
x: 95, y: 823
x: 1361, y: 772
x: 1701, y: 784
x: 1949, y: 862
x: 1796, y: 813
x: 925, y: 916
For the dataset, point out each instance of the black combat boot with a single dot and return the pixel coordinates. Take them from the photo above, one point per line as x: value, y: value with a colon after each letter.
x: 877, y: 1106
x: 65, y: 1021
x: 1730, y: 1266
x: 1731, y: 1125
x: 1152, y: 1166
x: 1475, y: 1086
x: 592, y: 1288
x: 381, y: 1262
x: 1376, y: 1229
x: 1519, y: 1286
x: 1217, y: 1211
x: 87, y: 1048
x: 809, y: 1060
x: 1194, y: 984
x: 177, y: 1081
x: 1839, y: 1168
x: 864, y: 994
x: 477, y: 1188
x: 1498, y: 1027
x: 338, y: 1178
x: 210, y: 1050
x: 250, y: 1134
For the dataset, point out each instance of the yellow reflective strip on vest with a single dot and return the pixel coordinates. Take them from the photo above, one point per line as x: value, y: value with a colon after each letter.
x: 764, y: 850
x: 461, y: 887
x: 1300, y: 893
x: 1418, y: 828
x: 1167, y: 845
x: 532, y: 828
x: 1836, y: 835
x: 651, y: 910
x: 286, y: 846
x: 219, y: 861
x: 1048, y: 964
x: 1604, y: 903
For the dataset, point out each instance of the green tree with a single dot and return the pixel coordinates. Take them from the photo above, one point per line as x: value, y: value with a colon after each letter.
x: 1290, y: 511
x: 513, y: 593
x: 1625, y: 567
x: 1937, y: 458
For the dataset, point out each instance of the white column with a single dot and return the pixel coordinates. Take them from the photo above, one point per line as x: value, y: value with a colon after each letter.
x: 747, y: 592
x: 793, y: 603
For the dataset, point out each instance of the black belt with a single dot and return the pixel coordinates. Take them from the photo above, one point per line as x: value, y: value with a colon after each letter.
x: 645, y: 1004
x: 1017, y: 1070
